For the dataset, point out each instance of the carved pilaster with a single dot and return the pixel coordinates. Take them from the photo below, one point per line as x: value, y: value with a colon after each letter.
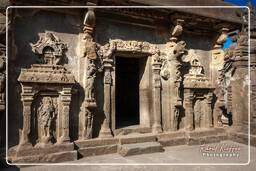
x: 157, y: 125
x: 105, y: 131
x: 208, y: 115
x: 27, y: 99
x: 65, y: 102
x: 189, y: 111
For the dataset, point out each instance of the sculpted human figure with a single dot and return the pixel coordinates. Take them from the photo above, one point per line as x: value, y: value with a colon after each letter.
x: 90, y: 79
x: 46, y: 113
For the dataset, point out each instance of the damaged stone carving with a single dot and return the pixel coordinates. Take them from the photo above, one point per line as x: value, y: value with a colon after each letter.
x: 46, y: 115
x: 49, y: 48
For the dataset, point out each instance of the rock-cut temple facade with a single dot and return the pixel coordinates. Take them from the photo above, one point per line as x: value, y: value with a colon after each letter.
x: 90, y: 81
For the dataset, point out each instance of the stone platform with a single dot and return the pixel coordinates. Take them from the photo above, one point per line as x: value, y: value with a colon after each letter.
x: 125, y: 145
x: 49, y: 154
x: 117, y: 144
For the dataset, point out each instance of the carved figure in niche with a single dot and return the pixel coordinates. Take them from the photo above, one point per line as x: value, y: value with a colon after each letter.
x: 90, y: 79
x: 88, y: 124
x: 46, y: 113
x: 49, y: 48
x: 199, y: 113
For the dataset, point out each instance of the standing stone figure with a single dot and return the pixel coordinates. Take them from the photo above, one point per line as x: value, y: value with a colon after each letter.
x: 90, y: 78
x: 46, y: 113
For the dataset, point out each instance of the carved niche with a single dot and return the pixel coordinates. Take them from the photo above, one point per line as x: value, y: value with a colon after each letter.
x: 46, y: 95
x: 198, y: 95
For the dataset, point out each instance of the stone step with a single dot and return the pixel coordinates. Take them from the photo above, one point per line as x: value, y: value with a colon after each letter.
x: 137, y: 138
x: 139, y: 148
x: 97, y: 150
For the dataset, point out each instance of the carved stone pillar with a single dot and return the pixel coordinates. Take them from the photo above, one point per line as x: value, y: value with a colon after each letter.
x: 189, y: 111
x: 157, y: 125
x: 216, y: 66
x: 27, y: 99
x: 105, y: 131
x: 208, y: 116
x: 64, y: 129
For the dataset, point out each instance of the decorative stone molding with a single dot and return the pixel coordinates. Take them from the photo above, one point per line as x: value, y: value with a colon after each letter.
x: 119, y: 45
x: 49, y: 48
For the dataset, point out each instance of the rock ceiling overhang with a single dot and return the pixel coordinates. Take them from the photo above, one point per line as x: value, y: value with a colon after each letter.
x: 196, y: 20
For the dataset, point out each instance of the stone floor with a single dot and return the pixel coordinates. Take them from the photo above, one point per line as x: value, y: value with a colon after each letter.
x: 178, y: 154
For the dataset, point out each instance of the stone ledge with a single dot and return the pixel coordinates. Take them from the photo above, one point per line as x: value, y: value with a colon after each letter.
x: 167, y: 135
x: 203, y: 140
x: 139, y: 148
x: 49, y: 158
x: 204, y: 132
x: 96, y: 142
x: 137, y: 139
x: 173, y: 142
x: 98, y: 150
x: 32, y: 151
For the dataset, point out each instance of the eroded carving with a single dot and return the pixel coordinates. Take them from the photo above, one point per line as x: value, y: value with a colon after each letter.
x: 49, y: 48
x: 90, y: 79
x: 46, y: 114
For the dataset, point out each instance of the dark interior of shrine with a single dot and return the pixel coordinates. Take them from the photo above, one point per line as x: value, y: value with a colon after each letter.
x: 127, y: 91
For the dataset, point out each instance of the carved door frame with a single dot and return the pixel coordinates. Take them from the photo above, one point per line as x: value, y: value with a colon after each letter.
x: 128, y: 49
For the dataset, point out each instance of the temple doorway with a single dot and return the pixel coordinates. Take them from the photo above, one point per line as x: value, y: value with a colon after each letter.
x: 127, y: 91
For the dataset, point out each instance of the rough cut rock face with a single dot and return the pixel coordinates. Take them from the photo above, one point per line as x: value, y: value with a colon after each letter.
x: 125, y: 84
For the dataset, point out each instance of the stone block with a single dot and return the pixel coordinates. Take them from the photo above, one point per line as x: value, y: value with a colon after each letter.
x: 98, y: 150
x: 139, y: 148
x: 31, y: 151
x: 137, y: 139
x: 64, y: 156
x: 173, y: 141
x: 96, y: 142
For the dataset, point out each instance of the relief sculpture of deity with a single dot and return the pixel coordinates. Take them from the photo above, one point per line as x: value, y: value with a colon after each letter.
x: 46, y: 114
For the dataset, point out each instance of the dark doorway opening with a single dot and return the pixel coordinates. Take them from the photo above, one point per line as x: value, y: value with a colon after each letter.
x: 127, y: 91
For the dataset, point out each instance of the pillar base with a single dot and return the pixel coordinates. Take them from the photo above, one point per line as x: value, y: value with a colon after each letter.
x: 105, y: 133
x: 62, y: 140
x: 156, y: 128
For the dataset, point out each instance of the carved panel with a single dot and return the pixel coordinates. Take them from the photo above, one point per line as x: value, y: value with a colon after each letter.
x: 44, y: 116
